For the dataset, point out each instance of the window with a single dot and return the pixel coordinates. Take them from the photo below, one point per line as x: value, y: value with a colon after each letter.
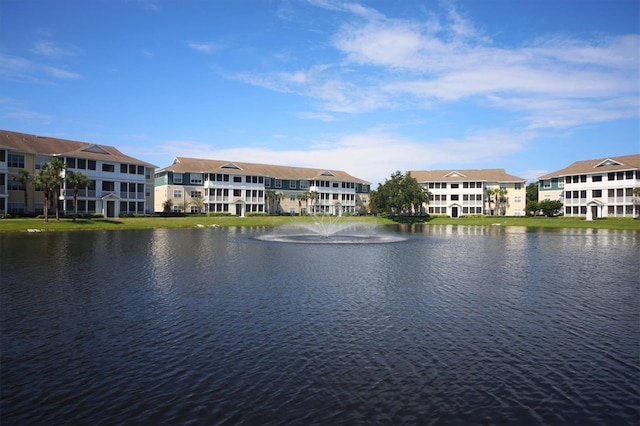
x: 16, y: 160
x: 177, y: 193
x: 292, y: 197
x: 195, y: 178
x: 236, y: 192
x: 596, y: 193
x: 596, y: 178
x: 455, y: 197
x: 41, y: 163
x: 278, y: 183
x: 237, y: 179
x: 108, y: 186
x: 71, y: 163
x: 195, y: 194
x: 455, y: 185
x: 517, y: 186
x: 611, y: 176
x: 517, y: 199
x: 124, y: 168
x: 177, y: 178
x: 267, y: 182
x: 546, y: 184
x: 292, y: 184
x: 503, y: 186
x: 82, y: 163
x: 583, y: 178
x: 106, y: 167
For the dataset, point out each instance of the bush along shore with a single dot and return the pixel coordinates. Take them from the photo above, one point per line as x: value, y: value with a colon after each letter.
x: 38, y: 224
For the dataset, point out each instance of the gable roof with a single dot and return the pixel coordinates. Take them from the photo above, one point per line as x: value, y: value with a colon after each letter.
x: 598, y: 165
x: 43, y: 145
x: 465, y: 175
x: 196, y: 165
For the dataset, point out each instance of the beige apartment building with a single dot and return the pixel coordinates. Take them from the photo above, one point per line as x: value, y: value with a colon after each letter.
x: 216, y: 186
x: 120, y: 184
x: 602, y: 187
x: 457, y: 193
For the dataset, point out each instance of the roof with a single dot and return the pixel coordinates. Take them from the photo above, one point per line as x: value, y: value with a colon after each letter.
x: 598, y: 165
x: 195, y: 165
x: 32, y: 144
x: 463, y: 175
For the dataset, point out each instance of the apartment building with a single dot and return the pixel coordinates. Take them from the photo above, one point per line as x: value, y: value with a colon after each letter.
x: 196, y: 185
x: 458, y: 193
x: 602, y: 187
x: 119, y: 183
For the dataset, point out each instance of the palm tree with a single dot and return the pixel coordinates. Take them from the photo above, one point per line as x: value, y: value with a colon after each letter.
x: 636, y: 195
x: 270, y: 196
x: 55, y: 169
x: 489, y: 192
x: 44, y: 181
x: 24, y: 177
x: 167, y: 206
x: 302, y: 197
x: 314, y: 195
x: 501, y: 200
x: 77, y: 180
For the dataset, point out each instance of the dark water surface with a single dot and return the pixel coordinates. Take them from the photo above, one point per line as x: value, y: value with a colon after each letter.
x: 455, y: 325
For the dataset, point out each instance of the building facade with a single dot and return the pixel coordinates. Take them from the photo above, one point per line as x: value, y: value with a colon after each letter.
x: 596, y: 188
x: 120, y: 184
x: 209, y: 186
x: 457, y: 193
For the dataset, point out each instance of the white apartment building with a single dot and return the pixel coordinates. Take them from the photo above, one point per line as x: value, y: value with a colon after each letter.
x: 458, y: 193
x: 215, y: 186
x: 119, y: 183
x: 602, y: 187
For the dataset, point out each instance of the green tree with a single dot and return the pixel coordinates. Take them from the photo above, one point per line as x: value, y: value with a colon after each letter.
x: 302, y: 197
x: 501, y: 201
x: 532, y: 191
x: 313, y: 196
x: 55, y: 169
x: 550, y: 208
x: 167, y: 206
x: 532, y: 199
x: 76, y: 180
x: 400, y: 194
x: 44, y: 181
x: 25, y: 178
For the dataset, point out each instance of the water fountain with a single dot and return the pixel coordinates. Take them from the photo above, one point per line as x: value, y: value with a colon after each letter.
x: 328, y: 229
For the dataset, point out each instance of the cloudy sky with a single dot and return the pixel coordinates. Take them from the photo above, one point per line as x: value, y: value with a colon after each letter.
x: 369, y: 87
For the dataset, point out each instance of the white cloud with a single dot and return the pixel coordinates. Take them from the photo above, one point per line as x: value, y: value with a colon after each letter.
x: 60, y: 73
x: 371, y: 155
x: 421, y: 63
x: 51, y: 49
x: 207, y: 48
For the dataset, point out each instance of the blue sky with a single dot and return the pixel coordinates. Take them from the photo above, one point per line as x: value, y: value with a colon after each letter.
x: 369, y: 87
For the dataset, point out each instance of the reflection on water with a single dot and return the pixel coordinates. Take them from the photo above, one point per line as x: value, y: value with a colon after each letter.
x: 455, y: 325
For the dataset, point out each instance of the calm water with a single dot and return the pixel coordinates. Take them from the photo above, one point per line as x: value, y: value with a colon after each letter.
x: 455, y: 325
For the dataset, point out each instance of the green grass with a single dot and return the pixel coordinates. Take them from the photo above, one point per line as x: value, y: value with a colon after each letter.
x: 23, y: 225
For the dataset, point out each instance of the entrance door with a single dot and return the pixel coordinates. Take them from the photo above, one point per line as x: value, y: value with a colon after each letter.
x: 454, y: 212
x: 594, y: 212
x: 111, y: 208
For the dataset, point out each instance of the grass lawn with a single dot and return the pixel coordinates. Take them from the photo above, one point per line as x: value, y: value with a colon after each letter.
x: 23, y: 225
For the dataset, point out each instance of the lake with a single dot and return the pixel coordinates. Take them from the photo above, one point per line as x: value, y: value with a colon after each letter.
x: 449, y: 325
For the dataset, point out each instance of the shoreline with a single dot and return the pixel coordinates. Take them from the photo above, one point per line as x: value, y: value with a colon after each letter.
x: 150, y: 222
